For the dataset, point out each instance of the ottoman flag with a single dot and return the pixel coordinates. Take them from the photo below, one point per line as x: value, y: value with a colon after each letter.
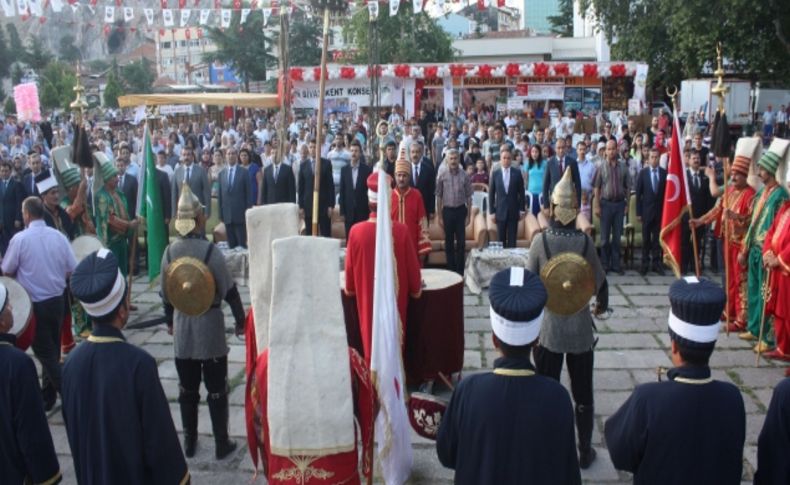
x: 150, y: 207
x: 676, y: 204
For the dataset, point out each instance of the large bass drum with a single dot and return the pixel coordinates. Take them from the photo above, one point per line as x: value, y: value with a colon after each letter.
x: 24, y: 326
x: 85, y: 245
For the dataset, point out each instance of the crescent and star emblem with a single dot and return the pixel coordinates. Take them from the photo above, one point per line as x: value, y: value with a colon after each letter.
x: 673, y: 181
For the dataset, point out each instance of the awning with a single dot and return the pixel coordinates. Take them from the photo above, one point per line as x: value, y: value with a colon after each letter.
x: 241, y: 100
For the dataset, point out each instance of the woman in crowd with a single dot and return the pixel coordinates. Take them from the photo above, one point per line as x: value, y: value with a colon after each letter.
x: 256, y: 174
x: 218, y: 163
x: 533, y: 176
x: 480, y: 175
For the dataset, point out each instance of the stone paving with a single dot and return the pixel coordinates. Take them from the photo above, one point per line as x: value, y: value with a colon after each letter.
x: 633, y: 342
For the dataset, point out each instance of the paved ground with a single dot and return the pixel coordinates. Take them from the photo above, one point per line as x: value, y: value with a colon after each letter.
x: 633, y: 343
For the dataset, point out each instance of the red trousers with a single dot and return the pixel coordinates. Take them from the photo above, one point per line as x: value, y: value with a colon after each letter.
x: 736, y: 287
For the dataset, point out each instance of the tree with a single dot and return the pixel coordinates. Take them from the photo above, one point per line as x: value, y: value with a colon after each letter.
x: 69, y: 52
x: 246, y: 50
x: 667, y: 34
x: 112, y: 90
x: 138, y: 76
x: 37, y: 56
x: 304, y: 40
x: 5, y: 57
x: 15, y: 43
x: 404, y: 37
x: 56, y: 85
x: 562, y: 23
x: 17, y: 73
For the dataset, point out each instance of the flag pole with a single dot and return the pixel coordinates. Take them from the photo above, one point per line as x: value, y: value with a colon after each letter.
x: 320, y: 122
x: 672, y: 95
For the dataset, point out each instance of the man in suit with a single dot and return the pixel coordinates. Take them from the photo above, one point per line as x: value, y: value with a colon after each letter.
x: 507, y: 199
x: 279, y: 183
x: 353, y: 191
x: 423, y: 177
x: 195, y: 176
x: 11, y: 196
x: 165, y: 193
x: 128, y: 185
x: 556, y: 167
x: 29, y: 180
x: 235, y: 197
x: 326, y: 194
x: 650, y: 185
x: 701, y: 202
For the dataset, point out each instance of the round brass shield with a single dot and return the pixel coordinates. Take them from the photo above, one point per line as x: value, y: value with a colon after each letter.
x: 190, y: 286
x: 570, y: 283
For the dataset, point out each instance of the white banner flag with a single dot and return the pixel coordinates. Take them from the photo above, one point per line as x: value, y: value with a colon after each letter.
x: 8, y: 8
x: 185, y: 14
x: 167, y: 17
x: 447, y: 86
x: 128, y: 14
x: 57, y: 5
x: 149, y: 15
x: 386, y: 362
x: 417, y: 6
x: 225, y: 15
x: 640, y: 82
x: 394, y: 4
x: 21, y: 7
x: 35, y: 7
x: 373, y: 9
x: 204, y: 15
x: 109, y: 14
x: 267, y: 12
x: 245, y: 12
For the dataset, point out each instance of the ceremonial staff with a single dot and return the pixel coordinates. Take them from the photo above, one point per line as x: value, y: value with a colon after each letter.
x: 766, y: 290
x: 720, y: 90
x: 672, y: 95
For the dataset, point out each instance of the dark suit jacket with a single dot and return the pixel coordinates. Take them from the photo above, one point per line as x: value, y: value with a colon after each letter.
x: 326, y: 193
x: 11, y: 205
x: 283, y: 190
x: 506, y: 205
x: 649, y: 203
x: 552, y: 175
x: 163, y: 181
x: 129, y: 190
x: 354, y: 199
x: 701, y: 199
x: 426, y: 184
x: 198, y: 183
x: 28, y: 181
x: 236, y: 199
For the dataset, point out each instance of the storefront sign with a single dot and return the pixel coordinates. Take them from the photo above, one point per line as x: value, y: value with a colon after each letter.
x: 540, y: 92
x: 176, y: 109
x: 342, y: 96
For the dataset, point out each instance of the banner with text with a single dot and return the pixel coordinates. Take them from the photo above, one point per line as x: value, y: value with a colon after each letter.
x: 340, y: 96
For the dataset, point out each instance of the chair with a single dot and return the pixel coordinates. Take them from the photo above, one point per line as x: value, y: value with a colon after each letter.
x: 476, y: 237
x: 632, y: 232
x: 527, y: 228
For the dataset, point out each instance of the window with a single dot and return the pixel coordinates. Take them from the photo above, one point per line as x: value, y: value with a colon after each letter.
x: 182, y: 43
x: 166, y: 45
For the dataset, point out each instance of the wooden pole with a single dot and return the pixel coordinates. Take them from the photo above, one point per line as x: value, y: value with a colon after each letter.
x: 320, y: 122
x: 725, y: 226
x: 766, y: 290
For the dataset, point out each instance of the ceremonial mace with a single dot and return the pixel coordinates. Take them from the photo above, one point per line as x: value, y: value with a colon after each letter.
x: 672, y: 95
x: 721, y: 90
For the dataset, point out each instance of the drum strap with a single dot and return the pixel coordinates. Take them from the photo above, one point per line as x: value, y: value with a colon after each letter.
x: 514, y: 372
x: 206, y: 258
x: 103, y: 340
x: 6, y: 343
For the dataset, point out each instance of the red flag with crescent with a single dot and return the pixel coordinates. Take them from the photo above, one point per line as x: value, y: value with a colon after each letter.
x: 676, y: 203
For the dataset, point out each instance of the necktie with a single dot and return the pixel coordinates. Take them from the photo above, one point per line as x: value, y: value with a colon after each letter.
x: 655, y: 180
x: 231, y: 176
x: 121, y: 182
x: 312, y: 166
x: 506, y: 178
x: 696, y: 181
x: 354, y: 172
x: 416, y: 173
x: 562, y: 168
x: 187, y: 177
x: 276, y: 172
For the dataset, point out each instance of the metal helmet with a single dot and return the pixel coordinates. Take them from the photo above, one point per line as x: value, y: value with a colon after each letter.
x: 564, y: 204
x: 188, y: 209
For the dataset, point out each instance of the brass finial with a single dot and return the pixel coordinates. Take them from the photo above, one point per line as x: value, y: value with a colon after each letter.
x: 719, y: 90
x: 79, y: 105
x: 672, y: 95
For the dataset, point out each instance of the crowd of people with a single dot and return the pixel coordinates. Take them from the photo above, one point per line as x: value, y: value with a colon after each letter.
x: 435, y: 163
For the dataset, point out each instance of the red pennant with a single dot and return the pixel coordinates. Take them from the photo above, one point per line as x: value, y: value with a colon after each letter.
x: 182, y: 3
x: 132, y: 29
x: 236, y: 4
x: 42, y: 20
x: 253, y: 4
x: 164, y: 3
x: 107, y: 29
x: 197, y: 2
x: 187, y: 34
x: 199, y: 33
x: 500, y: 3
x: 481, y: 4
x: 217, y: 4
x: 161, y: 32
x: 93, y: 3
x: 25, y: 17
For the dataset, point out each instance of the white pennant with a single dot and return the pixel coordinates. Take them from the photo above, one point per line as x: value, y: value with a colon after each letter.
x: 204, y: 14
x: 57, y: 5
x: 21, y: 7
x: 267, y: 12
x: 149, y: 15
x: 245, y: 12
x: 373, y: 9
x: 417, y: 6
x: 394, y: 4
x: 109, y: 14
x: 8, y: 8
x: 128, y: 14
x: 35, y: 7
x: 185, y: 14
x: 225, y: 18
x: 92, y: 10
x: 167, y: 17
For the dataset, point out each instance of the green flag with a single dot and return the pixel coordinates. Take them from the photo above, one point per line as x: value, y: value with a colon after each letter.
x: 151, y: 208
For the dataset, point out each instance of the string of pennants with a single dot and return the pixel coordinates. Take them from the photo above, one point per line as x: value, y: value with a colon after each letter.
x: 440, y: 71
x: 182, y: 15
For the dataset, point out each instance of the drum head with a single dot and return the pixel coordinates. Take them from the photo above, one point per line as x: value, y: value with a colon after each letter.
x: 22, y: 307
x: 85, y: 245
x: 439, y: 279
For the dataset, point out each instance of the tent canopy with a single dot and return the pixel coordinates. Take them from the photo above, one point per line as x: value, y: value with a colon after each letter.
x: 241, y: 100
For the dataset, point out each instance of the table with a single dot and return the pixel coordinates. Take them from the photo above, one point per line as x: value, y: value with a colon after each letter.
x: 483, y: 264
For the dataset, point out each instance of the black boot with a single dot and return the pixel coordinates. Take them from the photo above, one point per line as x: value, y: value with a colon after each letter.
x: 218, y: 410
x: 584, y: 427
x: 188, y: 401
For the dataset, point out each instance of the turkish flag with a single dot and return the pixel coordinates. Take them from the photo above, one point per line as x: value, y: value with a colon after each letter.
x: 676, y: 203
